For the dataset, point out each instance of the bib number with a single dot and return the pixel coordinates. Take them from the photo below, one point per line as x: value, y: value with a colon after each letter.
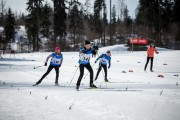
x: 85, y: 57
x: 104, y: 61
x: 56, y: 61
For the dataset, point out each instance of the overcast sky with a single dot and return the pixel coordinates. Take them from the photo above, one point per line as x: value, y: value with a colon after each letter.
x: 20, y: 5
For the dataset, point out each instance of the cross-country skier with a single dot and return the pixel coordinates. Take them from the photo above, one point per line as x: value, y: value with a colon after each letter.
x: 56, y: 62
x: 150, y: 55
x: 104, y: 60
x: 84, y: 62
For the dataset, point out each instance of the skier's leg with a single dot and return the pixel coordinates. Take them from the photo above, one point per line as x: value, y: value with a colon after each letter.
x: 146, y: 63
x: 151, y: 63
x: 97, y: 74
x: 105, y: 71
x: 47, y: 72
x: 57, y: 73
x: 81, y: 68
x: 89, y: 68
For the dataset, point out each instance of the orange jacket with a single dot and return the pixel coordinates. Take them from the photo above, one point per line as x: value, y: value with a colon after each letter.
x: 150, y: 51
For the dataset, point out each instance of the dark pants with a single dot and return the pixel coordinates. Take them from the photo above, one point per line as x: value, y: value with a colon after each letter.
x: 48, y: 71
x: 105, y: 70
x: 81, y: 68
x: 148, y: 62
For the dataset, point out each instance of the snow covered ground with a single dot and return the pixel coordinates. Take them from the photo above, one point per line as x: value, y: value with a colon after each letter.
x: 136, y: 95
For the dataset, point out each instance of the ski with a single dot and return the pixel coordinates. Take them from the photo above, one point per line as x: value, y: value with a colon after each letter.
x: 98, y: 88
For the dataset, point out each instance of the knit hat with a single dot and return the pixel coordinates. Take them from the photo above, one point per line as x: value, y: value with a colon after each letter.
x: 57, y: 48
x: 87, y: 42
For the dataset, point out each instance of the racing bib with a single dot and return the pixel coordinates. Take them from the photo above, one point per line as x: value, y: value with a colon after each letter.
x: 55, y: 61
x: 103, y: 61
x: 84, y: 57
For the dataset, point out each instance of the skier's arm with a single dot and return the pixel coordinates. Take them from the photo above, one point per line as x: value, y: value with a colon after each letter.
x: 61, y: 61
x: 47, y: 59
x: 95, y: 50
x: 109, y: 63
x: 156, y: 50
x: 98, y: 58
x: 148, y: 52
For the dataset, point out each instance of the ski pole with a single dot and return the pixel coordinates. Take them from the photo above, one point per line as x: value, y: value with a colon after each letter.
x: 38, y: 66
x: 88, y: 72
x: 73, y: 75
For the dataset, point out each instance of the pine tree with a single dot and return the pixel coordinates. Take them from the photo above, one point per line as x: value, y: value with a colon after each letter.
x: 9, y: 27
x: 127, y: 18
x: 105, y: 23
x: 59, y: 21
x: 113, y: 22
x: 166, y: 15
x: 149, y: 14
x: 75, y: 19
x: 176, y: 18
x: 113, y: 15
x: 2, y: 11
x: 34, y: 8
x: 99, y: 5
x: 45, y: 20
x: 87, y: 20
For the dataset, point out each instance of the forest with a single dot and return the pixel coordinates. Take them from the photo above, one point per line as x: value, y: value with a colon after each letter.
x: 68, y: 23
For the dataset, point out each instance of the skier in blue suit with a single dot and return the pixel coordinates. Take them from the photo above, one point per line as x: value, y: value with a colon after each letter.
x: 56, y: 62
x: 104, y: 60
x: 84, y: 62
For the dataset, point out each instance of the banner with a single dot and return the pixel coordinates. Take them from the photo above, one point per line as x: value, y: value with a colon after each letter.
x: 140, y: 41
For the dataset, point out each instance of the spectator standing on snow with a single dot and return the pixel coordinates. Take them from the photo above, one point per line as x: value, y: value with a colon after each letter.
x: 150, y: 56
x: 84, y: 62
x: 56, y: 62
x: 105, y: 59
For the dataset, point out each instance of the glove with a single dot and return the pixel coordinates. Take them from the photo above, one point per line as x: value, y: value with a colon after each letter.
x: 95, y: 48
x: 157, y: 52
x: 95, y: 61
x: 108, y: 67
x: 83, y: 51
x: 45, y: 64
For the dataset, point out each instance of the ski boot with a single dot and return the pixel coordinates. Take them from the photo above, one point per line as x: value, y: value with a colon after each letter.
x: 92, y: 85
x: 106, y: 80
x: 77, y: 87
x: 56, y: 84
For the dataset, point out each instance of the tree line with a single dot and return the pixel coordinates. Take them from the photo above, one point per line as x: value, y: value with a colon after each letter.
x: 157, y: 20
x: 160, y: 21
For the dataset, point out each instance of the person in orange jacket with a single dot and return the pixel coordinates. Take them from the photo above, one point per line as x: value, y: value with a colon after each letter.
x: 150, y: 55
